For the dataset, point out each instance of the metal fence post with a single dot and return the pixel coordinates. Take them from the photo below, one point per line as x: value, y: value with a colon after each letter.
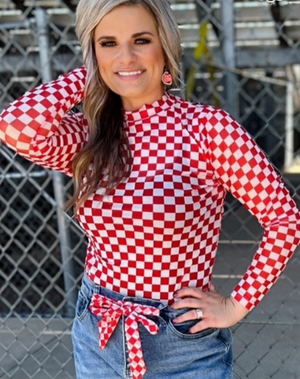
x: 58, y: 180
x: 289, y: 126
x: 228, y: 52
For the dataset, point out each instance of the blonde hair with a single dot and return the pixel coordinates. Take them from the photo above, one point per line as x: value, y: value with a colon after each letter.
x: 107, y: 148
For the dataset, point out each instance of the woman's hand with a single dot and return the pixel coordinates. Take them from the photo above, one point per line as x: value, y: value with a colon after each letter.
x: 218, y: 311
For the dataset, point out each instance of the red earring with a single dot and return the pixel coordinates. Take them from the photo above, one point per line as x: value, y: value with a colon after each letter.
x: 167, y: 78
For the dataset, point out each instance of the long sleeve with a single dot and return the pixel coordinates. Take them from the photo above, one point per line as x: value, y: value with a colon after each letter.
x: 40, y: 127
x: 242, y: 168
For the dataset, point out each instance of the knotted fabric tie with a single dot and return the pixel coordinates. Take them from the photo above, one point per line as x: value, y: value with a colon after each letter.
x: 111, y: 311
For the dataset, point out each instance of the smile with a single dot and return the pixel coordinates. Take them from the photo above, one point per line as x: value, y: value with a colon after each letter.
x: 133, y: 73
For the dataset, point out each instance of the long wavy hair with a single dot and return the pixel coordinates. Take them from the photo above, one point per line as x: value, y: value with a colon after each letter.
x: 106, y: 160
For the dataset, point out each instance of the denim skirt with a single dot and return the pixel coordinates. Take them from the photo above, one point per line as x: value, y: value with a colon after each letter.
x: 172, y: 353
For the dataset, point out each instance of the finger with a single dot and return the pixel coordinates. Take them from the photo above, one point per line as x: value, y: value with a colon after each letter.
x: 187, y: 316
x: 188, y: 292
x: 201, y: 325
x: 187, y: 302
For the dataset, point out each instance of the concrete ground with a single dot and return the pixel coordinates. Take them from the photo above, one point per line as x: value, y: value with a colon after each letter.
x: 266, y: 343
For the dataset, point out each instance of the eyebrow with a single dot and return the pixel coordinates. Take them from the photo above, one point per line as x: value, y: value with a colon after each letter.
x: 135, y: 35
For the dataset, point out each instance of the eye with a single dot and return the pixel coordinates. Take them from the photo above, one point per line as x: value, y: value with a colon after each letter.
x: 142, y: 41
x: 107, y: 43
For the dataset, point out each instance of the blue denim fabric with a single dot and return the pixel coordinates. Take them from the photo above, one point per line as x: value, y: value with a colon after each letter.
x: 171, y: 354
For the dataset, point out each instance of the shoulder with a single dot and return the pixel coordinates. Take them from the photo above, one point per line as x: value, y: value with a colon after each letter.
x: 205, y: 112
x: 204, y: 117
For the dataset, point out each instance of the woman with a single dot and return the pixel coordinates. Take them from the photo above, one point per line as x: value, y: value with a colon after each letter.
x: 150, y: 175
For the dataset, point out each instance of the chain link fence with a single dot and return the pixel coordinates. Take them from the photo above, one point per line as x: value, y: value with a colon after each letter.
x: 243, y: 56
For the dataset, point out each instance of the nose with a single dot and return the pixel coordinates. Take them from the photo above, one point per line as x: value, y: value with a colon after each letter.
x: 126, y: 54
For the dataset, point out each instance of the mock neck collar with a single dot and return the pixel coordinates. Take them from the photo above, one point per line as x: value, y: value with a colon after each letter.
x: 149, y: 110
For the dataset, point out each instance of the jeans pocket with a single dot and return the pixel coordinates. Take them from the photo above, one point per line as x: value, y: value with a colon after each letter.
x: 182, y: 330
x: 82, y: 305
x: 158, y: 320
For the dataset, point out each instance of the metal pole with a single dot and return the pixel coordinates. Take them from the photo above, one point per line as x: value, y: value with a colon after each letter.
x: 289, y: 127
x: 228, y: 52
x: 58, y: 185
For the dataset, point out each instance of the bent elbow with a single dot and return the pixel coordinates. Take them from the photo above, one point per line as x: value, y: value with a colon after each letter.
x: 15, y: 134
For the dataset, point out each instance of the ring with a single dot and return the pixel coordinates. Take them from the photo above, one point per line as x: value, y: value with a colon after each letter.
x: 199, y: 314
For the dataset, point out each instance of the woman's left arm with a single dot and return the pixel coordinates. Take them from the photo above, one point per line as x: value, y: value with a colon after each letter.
x: 242, y: 169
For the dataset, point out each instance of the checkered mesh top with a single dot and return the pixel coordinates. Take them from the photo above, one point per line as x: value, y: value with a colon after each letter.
x: 158, y: 230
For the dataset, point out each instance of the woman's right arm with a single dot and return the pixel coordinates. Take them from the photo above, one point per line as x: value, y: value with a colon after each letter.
x: 39, y: 127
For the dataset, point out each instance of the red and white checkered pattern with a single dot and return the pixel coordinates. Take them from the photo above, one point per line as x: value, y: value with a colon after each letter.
x: 111, y: 311
x: 38, y: 127
x: 158, y: 231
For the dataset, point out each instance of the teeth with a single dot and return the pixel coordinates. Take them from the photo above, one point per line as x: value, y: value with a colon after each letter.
x: 130, y: 73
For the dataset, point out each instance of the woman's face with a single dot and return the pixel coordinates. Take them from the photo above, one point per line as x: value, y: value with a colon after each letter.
x: 130, y: 56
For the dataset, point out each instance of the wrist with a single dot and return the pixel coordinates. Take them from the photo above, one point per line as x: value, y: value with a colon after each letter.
x: 239, y: 310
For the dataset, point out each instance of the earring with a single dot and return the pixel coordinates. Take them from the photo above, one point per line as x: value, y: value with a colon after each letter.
x: 167, y: 78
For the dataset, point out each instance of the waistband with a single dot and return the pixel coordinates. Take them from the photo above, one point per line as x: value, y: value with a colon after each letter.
x: 89, y: 288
